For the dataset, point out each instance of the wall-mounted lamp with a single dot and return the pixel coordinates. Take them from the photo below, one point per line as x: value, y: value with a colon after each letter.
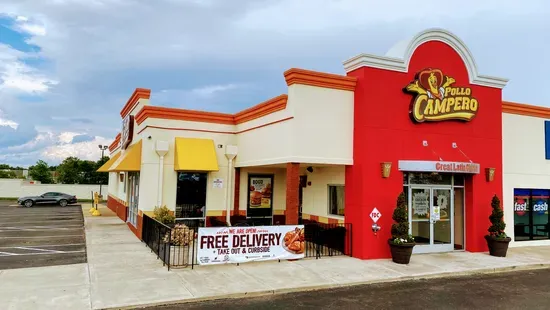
x: 121, y: 176
x: 309, y: 169
x: 386, y: 169
x: 489, y: 174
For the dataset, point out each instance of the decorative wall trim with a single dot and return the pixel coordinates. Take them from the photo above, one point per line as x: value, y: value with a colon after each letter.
x: 115, y: 144
x: 524, y: 109
x: 319, y: 79
x: 398, y: 58
x: 139, y: 93
x: 270, y: 106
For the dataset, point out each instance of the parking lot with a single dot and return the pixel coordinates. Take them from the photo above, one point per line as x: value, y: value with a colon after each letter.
x: 41, y: 236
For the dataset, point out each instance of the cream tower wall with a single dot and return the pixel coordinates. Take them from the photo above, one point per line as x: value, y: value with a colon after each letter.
x: 524, y: 164
x: 315, y: 196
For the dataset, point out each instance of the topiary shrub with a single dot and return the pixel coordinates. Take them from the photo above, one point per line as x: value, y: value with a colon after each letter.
x: 496, y: 230
x: 164, y: 215
x: 400, y: 229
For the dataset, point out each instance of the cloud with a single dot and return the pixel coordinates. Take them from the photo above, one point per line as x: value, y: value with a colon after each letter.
x: 19, y: 77
x: 82, y: 138
x: 15, y: 135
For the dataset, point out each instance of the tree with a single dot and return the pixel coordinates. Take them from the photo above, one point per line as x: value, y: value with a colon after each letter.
x: 40, y: 172
x: 7, y: 174
x: 70, y: 171
x: 400, y: 229
x: 101, y: 177
x: 497, y: 223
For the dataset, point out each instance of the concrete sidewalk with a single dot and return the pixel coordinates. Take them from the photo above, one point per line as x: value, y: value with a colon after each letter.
x: 122, y: 272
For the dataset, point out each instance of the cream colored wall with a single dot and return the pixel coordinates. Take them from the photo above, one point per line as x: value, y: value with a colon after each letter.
x: 279, y: 186
x: 524, y: 164
x: 265, y: 145
x: 150, y: 166
x: 322, y: 129
x: 315, y: 197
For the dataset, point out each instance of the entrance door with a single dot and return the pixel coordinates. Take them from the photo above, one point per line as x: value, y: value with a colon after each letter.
x: 191, y: 199
x: 431, y: 218
x: 133, y: 197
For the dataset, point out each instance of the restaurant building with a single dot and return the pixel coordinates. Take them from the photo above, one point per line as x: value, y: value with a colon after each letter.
x: 340, y: 149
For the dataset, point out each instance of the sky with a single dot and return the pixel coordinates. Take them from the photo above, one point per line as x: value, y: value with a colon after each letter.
x: 67, y: 67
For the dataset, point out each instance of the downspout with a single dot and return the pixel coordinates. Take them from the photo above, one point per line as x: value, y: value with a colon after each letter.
x: 162, y: 149
x: 230, y: 154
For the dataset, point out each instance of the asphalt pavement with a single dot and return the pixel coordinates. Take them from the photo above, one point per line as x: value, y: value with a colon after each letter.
x: 41, y: 236
x: 511, y: 290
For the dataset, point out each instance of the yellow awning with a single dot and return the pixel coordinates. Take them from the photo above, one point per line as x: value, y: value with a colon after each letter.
x: 109, y: 163
x: 131, y: 160
x: 195, y: 155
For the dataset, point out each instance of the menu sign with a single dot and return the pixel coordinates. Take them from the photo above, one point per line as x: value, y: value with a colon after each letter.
x: 223, y: 245
x: 421, y: 204
x: 260, y: 192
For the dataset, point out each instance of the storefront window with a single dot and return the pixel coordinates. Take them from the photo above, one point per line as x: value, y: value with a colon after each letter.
x: 336, y: 200
x: 531, y: 214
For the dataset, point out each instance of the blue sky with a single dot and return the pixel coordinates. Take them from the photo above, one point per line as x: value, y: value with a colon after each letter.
x: 68, y: 66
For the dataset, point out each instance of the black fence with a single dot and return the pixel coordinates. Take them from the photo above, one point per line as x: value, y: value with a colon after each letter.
x: 327, y: 239
x: 173, y: 244
x: 176, y: 244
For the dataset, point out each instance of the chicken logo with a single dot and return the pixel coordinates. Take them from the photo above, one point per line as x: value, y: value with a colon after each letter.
x: 436, y: 100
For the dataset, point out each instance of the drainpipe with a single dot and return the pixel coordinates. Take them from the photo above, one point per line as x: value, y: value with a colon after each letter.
x: 230, y: 153
x: 162, y: 149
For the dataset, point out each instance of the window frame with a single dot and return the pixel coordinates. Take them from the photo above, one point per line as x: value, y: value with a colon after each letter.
x: 329, y: 207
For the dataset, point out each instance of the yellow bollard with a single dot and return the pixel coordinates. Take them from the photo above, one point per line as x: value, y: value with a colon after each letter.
x: 96, y: 212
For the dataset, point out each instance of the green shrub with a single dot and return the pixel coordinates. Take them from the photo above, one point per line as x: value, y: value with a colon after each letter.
x: 400, y: 230
x: 164, y: 215
x: 497, y: 223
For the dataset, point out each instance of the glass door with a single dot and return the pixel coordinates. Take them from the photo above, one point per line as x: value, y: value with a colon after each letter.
x: 431, y: 218
x: 191, y: 199
x: 133, y: 197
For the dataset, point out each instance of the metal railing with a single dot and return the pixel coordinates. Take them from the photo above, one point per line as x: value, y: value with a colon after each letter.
x: 174, y: 244
x: 154, y: 235
x: 327, y: 239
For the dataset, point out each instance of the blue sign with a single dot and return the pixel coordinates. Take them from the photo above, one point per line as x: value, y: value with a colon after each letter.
x: 541, y: 207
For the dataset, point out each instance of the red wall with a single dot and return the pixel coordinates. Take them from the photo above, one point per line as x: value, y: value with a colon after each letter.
x: 383, y: 131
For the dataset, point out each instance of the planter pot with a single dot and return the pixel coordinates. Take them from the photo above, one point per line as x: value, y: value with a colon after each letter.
x: 401, y: 253
x: 497, y: 247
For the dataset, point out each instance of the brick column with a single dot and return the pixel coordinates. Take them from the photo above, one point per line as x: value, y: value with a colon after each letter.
x: 236, y: 195
x: 292, y: 188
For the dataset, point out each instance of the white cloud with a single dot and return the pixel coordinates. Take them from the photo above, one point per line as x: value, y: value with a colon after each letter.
x: 83, y: 150
x: 211, y: 90
x: 67, y: 137
x: 18, y: 77
x: 33, y: 29
x: 7, y: 122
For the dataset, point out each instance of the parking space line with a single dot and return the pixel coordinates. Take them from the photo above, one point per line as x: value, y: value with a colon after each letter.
x: 42, y: 237
x: 44, y: 246
x: 37, y: 249
x: 4, y: 254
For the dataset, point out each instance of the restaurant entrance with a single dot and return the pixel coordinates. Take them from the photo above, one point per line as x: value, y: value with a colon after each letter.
x: 436, y: 211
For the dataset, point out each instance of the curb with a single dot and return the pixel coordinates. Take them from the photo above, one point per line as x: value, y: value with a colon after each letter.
x: 446, y: 274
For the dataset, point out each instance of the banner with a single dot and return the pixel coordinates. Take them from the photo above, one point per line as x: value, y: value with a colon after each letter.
x: 223, y: 245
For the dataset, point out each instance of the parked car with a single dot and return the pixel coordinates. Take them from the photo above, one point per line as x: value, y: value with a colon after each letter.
x: 47, y: 198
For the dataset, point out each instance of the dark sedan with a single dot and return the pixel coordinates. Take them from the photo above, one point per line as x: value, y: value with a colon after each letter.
x: 47, y: 198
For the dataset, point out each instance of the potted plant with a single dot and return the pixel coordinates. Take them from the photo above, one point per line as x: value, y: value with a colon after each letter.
x: 401, y: 243
x: 497, y: 240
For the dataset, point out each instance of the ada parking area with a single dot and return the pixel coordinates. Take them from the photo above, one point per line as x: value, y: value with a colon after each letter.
x: 41, y: 236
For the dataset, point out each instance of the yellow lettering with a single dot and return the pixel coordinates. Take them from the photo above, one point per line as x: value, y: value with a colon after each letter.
x: 466, y: 103
x: 468, y: 91
x: 453, y: 92
x: 449, y: 105
x: 417, y: 112
x: 473, y: 104
x: 447, y: 91
x: 458, y: 103
x: 429, y: 110
x: 440, y: 106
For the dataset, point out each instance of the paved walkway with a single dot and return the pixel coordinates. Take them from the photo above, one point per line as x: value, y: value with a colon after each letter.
x: 121, y: 271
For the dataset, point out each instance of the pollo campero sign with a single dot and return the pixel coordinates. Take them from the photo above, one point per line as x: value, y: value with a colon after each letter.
x: 436, y: 99
x: 223, y: 245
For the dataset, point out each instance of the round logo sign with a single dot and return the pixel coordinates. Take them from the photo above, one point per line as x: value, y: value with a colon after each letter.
x: 541, y: 207
x: 520, y: 207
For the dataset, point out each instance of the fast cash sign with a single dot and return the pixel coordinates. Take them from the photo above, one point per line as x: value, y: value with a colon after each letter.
x: 223, y: 245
